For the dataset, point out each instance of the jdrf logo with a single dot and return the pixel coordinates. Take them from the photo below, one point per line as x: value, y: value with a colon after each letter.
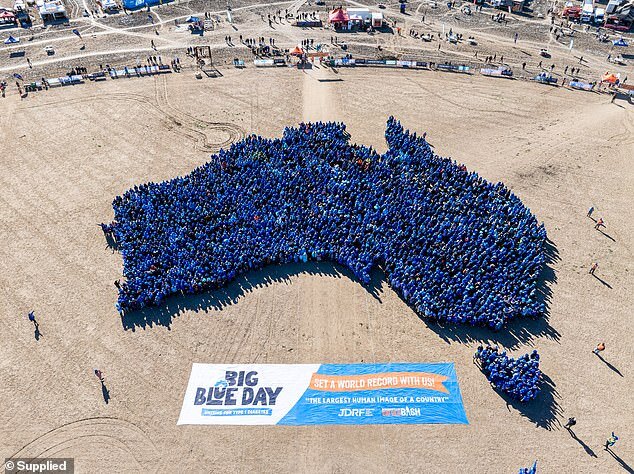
x: 346, y: 412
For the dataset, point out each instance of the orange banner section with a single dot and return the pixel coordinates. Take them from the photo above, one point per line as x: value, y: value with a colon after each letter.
x: 381, y: 381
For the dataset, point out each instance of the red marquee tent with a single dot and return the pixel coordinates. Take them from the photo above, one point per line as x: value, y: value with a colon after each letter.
x: 338, y: 15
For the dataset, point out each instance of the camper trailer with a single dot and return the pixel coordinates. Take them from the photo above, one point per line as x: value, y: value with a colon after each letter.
x: 52, y: 11
x: 587, y: 12
x: 599, y: 16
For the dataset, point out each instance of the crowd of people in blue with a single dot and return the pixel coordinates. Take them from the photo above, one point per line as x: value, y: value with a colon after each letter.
x: 457, y: 248
x: 519, y: 378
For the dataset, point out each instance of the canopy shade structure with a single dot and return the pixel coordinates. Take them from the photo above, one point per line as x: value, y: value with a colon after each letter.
x: 297, y: 51
x: 11, y: 40
x: 338, y: 15
x: 620, y: 42
x: 609, y: 78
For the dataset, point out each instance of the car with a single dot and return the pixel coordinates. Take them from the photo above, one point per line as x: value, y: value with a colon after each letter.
x: 382, y: 6
x: 49, y: 51
x: 544, y: 53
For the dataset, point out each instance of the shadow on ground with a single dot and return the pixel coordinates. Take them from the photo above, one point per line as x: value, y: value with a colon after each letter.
x: 544, y: 411
x: 229, y: 295
x: 585, y: 447
x: 626, y: 467
x: 515, y: 334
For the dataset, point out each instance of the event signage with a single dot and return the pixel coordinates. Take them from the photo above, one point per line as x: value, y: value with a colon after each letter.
x: 314, y: 394
x: 263, y: 62
x: 452, y: 67
x: 496, y: 72
x: 581, y: 85
x: 378, y: 62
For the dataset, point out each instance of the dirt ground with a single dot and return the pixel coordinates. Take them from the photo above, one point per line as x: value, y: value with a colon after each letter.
x: 68, y: 152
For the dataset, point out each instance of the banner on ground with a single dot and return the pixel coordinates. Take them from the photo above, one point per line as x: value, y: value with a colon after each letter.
x: 326, y: 394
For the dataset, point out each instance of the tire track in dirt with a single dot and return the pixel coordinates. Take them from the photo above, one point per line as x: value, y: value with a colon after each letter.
x: 181, y: 122
x: 193, y: 124
x: 109, y: 432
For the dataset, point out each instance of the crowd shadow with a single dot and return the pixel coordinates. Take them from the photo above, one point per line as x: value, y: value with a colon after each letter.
x: 520, y: 331
x: 545, y: 411
x: 515, y: 334
x: 241, y: 286
x: 609, y: 365
x: 111, y: 243
x: 623, y: 464
x: 589, y: 451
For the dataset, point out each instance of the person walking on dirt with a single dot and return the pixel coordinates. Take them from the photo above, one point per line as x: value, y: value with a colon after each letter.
x: 590, y: 211
x: 593, y: 268
x: 570, y: 423
x: 611, y: 441
x: 600, y: 348
x: 99, y: 375
x: 599, y: 224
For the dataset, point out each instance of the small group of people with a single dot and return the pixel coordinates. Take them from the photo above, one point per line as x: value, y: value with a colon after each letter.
x: 492, y: 59
x: 307, y: 16
x: 519, y: 378
x: 597, y: 225
x: 77, y: 70
x: 499, y: 18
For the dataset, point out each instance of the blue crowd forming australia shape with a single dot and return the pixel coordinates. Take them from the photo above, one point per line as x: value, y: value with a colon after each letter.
x: 456, y: 248
x: 519, y: 378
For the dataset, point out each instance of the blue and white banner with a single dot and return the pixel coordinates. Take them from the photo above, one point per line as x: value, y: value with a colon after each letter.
x: 326, y: 394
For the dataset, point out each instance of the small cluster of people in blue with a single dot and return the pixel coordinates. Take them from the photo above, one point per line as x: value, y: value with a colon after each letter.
x: 457, y: 248
x: 519, y: 378
x: 529, y: 470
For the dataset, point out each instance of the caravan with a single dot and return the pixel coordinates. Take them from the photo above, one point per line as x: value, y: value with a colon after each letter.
x: 599, y: 16
x: 587, y: 12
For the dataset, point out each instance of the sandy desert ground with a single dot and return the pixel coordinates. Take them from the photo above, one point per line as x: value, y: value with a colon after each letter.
x: 68, y: 152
